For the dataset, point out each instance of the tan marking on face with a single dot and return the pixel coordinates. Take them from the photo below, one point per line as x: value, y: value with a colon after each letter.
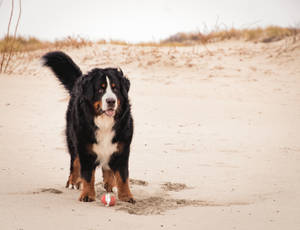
x: 118, y: 105
x: 97, y: 106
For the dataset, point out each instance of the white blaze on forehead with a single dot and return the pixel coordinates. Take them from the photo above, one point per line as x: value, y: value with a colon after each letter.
x: 108, y: 94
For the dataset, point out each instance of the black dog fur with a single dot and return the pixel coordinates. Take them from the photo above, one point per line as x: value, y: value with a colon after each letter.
x: 84, y: 106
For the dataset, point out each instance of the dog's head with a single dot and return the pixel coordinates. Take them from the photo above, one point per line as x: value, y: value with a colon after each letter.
x: 107, y: 91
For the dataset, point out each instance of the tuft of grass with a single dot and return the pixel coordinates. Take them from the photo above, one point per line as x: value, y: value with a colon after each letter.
x: 268, y: 34
x: 24, y: 44
x: 252, y: 34
x: 102, y: 42
x: 275, y: 33
x: 21, y: 44
x: 71, y: 42
x: 160, y: 44
x: 118, y: 42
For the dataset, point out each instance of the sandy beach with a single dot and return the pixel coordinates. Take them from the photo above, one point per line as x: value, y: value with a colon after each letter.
x: 216, y: 142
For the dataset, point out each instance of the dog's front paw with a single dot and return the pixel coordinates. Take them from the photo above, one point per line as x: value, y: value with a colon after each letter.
x: 74, y: 180
x: 87, y: 197
x: 128, y: 199
x: 73, y: 183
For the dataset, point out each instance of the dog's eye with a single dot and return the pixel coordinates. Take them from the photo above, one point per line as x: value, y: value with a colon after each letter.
x: 113, y: 86
x: 101, y: 90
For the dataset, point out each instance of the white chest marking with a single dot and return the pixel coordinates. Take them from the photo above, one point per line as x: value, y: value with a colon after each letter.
x: 104, y: 147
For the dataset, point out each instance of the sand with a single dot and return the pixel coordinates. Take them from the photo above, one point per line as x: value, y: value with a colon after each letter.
x: 216, y: 143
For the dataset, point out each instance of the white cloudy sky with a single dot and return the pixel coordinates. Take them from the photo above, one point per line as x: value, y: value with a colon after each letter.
x: 141, y: 20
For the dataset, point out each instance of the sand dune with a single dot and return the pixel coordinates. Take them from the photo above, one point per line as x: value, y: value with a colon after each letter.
x: 216, y: 143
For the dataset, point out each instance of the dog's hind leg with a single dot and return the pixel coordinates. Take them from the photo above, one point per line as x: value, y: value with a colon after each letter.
x: 74, y: 177
x: 88, y: 193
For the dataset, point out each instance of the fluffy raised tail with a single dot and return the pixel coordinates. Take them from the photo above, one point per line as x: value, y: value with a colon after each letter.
x: 63, y: 67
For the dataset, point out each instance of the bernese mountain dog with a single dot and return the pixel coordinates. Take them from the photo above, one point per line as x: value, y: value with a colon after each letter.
x: 99, y: 125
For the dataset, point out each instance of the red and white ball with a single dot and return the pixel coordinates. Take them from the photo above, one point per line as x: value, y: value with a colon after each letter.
x: 108, y: 199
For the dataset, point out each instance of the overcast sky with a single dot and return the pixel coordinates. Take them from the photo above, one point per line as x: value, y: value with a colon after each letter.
x: 140, y: 20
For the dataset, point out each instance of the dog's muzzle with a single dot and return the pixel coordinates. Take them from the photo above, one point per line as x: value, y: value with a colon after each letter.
x: 110, y: 104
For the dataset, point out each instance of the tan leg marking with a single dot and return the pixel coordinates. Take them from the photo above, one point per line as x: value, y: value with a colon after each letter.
x: 124, y: 193
x: 88, y: 193
x: 74, y: 178
x: 109, y: 180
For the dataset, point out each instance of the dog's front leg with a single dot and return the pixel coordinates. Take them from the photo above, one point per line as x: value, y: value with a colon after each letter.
x: 88, y: 193
x: 122, y: 180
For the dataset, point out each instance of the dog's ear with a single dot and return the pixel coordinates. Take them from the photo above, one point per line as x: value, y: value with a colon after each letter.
x: 125, y: 83
x: 88, y: 91
x: 84, y: 118
x: 85, y: 88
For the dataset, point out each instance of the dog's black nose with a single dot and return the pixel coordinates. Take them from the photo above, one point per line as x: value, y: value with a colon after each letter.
x: 110, y: 101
